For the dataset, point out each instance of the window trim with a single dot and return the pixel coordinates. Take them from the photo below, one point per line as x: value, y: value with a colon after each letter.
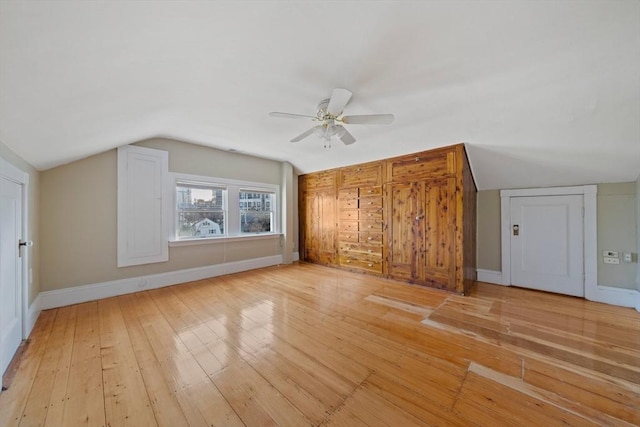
x: 232, y: 220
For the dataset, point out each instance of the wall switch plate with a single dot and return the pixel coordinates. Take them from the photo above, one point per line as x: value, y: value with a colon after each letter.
x: 610, y: 260
x: 627, y: 257
x: 611, y: 254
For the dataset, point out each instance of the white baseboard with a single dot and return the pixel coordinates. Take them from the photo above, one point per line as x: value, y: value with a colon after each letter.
x: 615, y: 296
x: 79, y: 294
x: 32, y: 314
x: 296, y: 256
x: 489, y: 276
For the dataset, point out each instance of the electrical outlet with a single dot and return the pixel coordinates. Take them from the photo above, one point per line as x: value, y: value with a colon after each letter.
x: 610, y: 254
x: 610, y: 260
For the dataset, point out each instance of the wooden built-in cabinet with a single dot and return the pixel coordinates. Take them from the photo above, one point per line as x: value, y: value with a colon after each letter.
x: 318, y: 208
x: 360, y: 214
x: 410, y: 218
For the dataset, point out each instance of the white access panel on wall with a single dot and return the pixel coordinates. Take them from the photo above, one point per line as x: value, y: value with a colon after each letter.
x: 547, y: 243
x: 142, y: 209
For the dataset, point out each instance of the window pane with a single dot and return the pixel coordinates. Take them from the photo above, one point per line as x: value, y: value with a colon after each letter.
x: 191, y: 197
x: 256, y: 222
x: 200, y: 210
x: 256, y: 211
x: 200, y: 224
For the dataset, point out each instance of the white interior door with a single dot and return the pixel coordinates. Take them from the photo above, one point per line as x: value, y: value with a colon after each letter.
x: 547, y: 243
x: 10, y: 270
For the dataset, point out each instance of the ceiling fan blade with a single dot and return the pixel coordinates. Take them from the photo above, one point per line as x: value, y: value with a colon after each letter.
x: 345, y: 136
x: 338, y: 101
x: 290, y: 115
x: 369, y: 119
x: 305, y: 134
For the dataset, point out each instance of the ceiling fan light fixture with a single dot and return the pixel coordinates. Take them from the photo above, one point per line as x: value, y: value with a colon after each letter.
x: 331, y: 116
x: 331, y: 131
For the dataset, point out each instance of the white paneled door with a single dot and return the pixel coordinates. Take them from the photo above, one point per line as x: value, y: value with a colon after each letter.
x: 10, y: 270
x: 547, y: 241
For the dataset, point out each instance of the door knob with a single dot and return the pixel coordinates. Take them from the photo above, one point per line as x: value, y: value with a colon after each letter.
x: 419, y: 217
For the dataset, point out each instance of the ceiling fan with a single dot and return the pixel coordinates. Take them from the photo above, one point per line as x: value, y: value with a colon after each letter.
x: 331, y: 118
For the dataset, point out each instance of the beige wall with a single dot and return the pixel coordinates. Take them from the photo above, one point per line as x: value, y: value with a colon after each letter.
x: 33, y: 212
x: 638, y: 233
x: 617, y: 231
x: 488, y: 230
x: 78, y: 221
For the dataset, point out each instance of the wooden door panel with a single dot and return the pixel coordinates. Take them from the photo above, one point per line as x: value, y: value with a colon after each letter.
x: 402, y: 244
x: 328, y: 225
x: 438, y: 266
x: 311, y: 228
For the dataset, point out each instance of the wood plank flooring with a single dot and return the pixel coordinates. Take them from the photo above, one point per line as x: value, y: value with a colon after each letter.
x: 305, y: 345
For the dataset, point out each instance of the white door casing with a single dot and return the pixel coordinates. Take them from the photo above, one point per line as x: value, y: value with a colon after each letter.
x: 11, y: 288
x: 590, y: 255
x: 547, y: 234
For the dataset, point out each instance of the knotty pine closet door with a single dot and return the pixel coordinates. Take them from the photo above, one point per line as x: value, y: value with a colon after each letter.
x: 319, y: 227
x: 421, y: 232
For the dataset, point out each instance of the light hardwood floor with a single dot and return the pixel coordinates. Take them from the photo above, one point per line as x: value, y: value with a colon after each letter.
x: 306, y: 345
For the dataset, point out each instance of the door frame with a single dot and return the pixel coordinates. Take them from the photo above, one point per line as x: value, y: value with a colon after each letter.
x: 590, y: 230
x: 12, y: 173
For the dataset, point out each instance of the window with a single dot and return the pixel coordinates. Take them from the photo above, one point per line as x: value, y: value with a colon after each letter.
x: 209, y: 208
x: 201, y: 209
x: 256, y: 211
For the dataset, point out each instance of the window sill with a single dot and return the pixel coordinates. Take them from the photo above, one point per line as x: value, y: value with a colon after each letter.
x: 227, y: 239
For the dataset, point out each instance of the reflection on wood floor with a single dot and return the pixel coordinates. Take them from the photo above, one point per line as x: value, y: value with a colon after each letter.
x: 307, y: 345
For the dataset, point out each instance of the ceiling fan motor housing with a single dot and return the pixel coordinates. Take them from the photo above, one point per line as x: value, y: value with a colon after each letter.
x: 322, y: 107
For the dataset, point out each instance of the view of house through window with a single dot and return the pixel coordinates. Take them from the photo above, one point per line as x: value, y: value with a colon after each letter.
x: 208, y: 207
x: 201, y: 210
x: 256, y: 211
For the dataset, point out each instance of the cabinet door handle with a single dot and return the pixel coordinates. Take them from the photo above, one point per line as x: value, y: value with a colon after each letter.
x: 419, y: 217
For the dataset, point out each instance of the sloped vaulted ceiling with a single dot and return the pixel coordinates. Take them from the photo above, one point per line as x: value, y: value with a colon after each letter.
x: 543, y: 93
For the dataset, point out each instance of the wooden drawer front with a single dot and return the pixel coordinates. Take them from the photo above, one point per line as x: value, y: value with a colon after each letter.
x: 371, y: 215
x: 349, y: 193
x: 370, y: 263
x: 422, y: 166
x: 348, y: 214
x: 358, y: 176
x: 361, y: 248
x: 370, y: 202
x: 348, y: 204
x: 320, y: 180
x: 371, y: 226
x: 370, y: 237
x: 348, y: 226
x: 348, y: 237
x: 370, y: 191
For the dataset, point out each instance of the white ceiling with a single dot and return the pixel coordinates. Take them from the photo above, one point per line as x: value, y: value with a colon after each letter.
x: 544, y: 93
